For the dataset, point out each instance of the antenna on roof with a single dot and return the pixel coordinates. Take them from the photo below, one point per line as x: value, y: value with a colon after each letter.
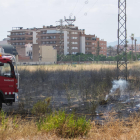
x: 70, y: 20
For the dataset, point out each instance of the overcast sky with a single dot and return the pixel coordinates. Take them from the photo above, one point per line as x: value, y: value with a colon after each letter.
x: 97, y: 17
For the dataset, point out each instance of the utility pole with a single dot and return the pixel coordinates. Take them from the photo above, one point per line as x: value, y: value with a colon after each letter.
x: 135, y: 48
x: 70, y: 22
x: 122, y: 41
x: 61, y: 47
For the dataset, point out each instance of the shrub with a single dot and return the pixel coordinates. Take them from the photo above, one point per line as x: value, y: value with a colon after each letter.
x: 41, y: 107
x: 65, y: 126
x: 3, y: 120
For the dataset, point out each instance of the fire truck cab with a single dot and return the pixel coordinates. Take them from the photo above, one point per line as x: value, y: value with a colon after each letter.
x: 9, y: 79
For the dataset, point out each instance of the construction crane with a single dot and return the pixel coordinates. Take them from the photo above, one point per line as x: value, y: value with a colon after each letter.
x: 122, y: 41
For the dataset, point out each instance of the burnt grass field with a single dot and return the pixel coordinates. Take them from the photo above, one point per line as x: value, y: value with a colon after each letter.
x: 80, y: 91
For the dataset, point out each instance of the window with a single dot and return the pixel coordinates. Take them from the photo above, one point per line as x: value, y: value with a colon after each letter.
x: 74, y: 52
x: 93, y: 38
x: 74, y: 47
x: 74, y: 42
x: 74, y: 33
x: 74, y: 37
x: 5, y: 70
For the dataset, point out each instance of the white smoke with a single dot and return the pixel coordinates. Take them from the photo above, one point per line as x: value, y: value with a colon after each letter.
x: 121, y: 84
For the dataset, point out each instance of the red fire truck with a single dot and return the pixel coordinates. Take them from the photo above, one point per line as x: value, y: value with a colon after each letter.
x: 9, y: 80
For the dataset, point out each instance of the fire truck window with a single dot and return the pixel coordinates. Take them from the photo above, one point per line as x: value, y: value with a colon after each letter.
x: 5, y: 70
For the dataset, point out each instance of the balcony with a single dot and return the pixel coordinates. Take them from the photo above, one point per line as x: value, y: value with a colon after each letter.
x: 89, y: 45
x: 88, y: 38
x: 17, y: 45
x: 12, y: 41
x: 15, y: 36
x: 41, y: 39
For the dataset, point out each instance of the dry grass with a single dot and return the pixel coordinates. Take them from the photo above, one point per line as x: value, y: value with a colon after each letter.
x: 117, y: 130
x: 75, y: 67
x: 112, y: 130
x: 67, y: 67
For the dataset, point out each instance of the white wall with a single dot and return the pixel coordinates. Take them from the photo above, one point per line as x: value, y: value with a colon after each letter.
x: 34, y: 37
x: 82, y: 44
x: 1, y: 50
x: 65, y: 42
x: 28, y: 49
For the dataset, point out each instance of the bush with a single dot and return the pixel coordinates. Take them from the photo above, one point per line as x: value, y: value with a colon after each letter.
x: 41, y: 107
x: 3, y: 120
x: 65, y: 126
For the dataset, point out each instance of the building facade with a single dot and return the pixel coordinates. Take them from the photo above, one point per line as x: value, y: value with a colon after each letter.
x: 1, y: 50
x: 66, y: 40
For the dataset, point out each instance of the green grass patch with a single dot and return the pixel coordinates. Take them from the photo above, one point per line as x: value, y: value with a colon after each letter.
x: 66, y: 126
x: 41, y: 107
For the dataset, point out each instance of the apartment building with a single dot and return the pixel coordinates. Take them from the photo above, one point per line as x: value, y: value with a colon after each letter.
x: 66, y: 40
x: 94, y: 44
x: 19, y: 37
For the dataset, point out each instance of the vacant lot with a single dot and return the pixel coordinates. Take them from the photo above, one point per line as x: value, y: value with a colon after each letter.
x: 78, y: 89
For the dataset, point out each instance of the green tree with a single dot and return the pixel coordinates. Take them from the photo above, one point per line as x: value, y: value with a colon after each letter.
x: 132, y: 38
x: 98, y: 49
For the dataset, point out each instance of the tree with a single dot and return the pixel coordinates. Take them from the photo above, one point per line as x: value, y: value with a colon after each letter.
x: 110, y: 50
x: 135, y: 48
x: 132, y: 38
x: 98, y: 49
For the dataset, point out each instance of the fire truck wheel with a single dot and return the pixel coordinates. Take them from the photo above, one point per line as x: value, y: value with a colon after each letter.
x: 0, y: 104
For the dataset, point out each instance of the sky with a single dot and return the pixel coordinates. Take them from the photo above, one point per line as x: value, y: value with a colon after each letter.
x: 99, y: 17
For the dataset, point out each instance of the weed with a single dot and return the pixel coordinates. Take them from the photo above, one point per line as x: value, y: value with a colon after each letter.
x: 65, y: 126
x: 41, y: 107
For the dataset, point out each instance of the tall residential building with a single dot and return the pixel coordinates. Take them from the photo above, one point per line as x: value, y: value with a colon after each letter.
x: 68, y: 40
